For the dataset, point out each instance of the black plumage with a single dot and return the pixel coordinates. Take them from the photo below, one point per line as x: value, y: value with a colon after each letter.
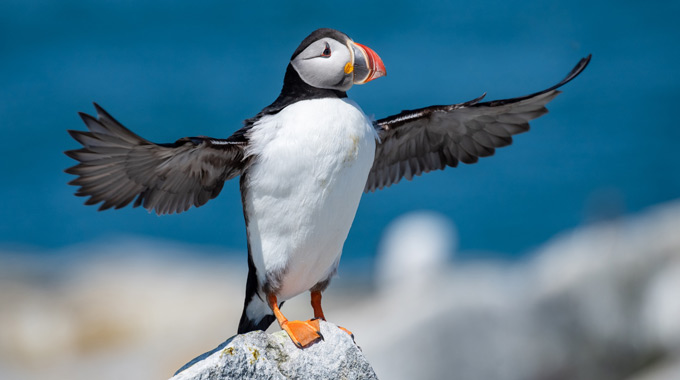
x: 432, y: 138
x: 116, y: 166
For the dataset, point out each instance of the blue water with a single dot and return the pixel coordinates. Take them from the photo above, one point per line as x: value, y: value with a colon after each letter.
x: 172, y: 69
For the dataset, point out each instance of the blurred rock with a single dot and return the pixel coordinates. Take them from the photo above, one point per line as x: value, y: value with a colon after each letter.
x: 413, y: 247
x: 258, y: 355
x: 599, y: 302
x: 124, y: 308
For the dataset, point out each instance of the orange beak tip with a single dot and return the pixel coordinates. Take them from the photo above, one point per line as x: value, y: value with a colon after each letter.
x: 375, y: 65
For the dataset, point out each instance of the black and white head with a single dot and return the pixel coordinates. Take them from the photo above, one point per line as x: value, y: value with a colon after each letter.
x: 329, y: 59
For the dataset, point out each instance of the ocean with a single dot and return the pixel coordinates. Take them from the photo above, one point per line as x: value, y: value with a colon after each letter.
x: 166, y: 70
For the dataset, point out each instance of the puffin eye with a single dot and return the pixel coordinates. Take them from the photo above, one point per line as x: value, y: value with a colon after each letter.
x: 327, y: 51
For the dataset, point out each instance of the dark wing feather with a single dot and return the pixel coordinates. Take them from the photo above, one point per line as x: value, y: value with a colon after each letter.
x: 116, y: 166
x: 432, y: 138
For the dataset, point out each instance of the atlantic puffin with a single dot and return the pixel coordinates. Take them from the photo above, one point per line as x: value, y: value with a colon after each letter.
x: 304, y: 162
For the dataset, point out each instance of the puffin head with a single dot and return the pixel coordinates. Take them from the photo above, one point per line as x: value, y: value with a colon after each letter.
x: 329, y: 59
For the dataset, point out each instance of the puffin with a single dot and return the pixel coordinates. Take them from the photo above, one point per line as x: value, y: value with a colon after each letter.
x: 303, y: 163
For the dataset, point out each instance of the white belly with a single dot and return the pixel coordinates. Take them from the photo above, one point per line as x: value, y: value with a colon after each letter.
x: 312, y: 163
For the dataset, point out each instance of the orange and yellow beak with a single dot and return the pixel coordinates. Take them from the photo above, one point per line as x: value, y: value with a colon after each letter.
x: 367, y: 64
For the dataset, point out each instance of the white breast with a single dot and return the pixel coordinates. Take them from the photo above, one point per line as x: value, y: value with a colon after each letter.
x: 312, y: 162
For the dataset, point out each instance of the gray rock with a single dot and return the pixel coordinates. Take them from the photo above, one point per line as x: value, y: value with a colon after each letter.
x: 258, y: 355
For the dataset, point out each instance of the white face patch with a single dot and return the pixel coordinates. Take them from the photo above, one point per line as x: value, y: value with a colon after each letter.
x: 322, y: 65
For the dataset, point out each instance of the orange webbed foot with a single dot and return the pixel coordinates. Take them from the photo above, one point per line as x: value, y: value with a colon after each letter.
x: 303, y: 333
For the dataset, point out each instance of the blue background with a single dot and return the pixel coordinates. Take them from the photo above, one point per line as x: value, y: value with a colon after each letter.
x: 171, y: 69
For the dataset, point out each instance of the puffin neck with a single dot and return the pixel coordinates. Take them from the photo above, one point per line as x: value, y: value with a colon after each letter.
x: 294, y: 90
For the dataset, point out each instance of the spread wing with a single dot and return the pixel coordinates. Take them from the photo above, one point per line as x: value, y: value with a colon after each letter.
x: 116, y: 166
x: 435, y: 137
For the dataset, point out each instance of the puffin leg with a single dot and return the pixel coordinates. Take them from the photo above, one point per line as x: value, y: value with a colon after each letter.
x: 302, y: 333
x: 316, y: 305
x: 318, y: 311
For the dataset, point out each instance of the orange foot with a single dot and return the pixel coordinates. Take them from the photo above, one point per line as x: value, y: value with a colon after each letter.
x: 303, y: 333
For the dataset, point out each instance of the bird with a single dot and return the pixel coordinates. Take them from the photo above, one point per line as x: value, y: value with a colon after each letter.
x: 303, y: 163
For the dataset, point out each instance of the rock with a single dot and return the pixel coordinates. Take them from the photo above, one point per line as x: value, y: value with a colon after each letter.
x: 258, y: 355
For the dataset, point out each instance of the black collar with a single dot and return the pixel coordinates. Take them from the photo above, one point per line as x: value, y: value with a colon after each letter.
x: 294, y: 90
